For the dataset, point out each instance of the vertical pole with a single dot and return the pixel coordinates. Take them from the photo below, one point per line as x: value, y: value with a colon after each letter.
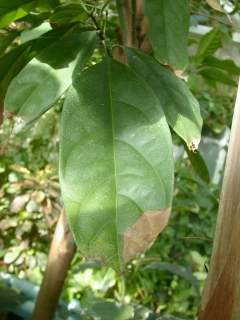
x: 61, y: 253
x: 221, y: 296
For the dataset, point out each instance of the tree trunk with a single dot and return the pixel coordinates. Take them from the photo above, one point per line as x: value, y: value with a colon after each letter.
x: 61, y: 253
x: 221, y: 297
x: 133, y: 28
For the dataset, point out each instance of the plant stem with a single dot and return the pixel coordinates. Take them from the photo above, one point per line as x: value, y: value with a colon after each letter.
x: 221, y: 297
x: 61, y: 253
x: 133, y: 23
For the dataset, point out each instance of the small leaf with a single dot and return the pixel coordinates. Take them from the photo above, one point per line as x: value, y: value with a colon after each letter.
x: 18, y: 203
x: 168, y: 30
x: 10, y: 64
x: 34, y: 33
x: 15, y: 14
x: 215, y: 4
x: 10, y: 299
x: 226, y: 65
x: 116, y: 163
x: 16, y: 9
x: 38, y: 86
x: 6, y: 39
x: 68, y: 13
x: 179, y: 105
x: 38, y: 196
x: 111, y: 311
x: 175, y: 269
x: 198, y: 164
x: 8, y: 6
x: 217, y: 75
x: 209, y: 44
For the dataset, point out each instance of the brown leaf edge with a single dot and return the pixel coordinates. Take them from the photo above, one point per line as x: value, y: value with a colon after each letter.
x: 141, y: 235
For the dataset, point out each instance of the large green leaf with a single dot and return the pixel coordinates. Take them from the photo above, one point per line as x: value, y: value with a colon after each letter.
x: 180, y: 107
x: 168, y: 30
x: 116, y: 163
x: 38, y: 86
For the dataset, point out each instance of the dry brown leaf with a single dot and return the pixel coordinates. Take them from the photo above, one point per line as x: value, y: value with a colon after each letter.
x: 38, y: 196
x: 19, y: 203
x: 215, y: 5
x: 140, y: 236
x: 47, y: 206
x: 19, y: 169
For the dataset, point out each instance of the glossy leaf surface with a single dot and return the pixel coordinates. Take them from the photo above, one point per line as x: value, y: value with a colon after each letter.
x: 180, y: 106
x: 168, y: 30
x: 116, y: 163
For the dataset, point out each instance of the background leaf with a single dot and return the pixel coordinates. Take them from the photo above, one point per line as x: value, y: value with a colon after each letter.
x: 38, y: 86
x: 13, y: 10
x: 217, y: 75
x: 68, y: 13
x: 168, y: 30
x: 110, y: 311
x: 6, y: 39
x: 175, y: 269
x: 180, y: 107
x: 215, y: 4
x: 209, y: 44
x: 226, y: 64
x: 198, y: 164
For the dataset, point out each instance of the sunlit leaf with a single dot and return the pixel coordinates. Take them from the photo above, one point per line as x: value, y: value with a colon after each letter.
x: 116, y: 163
x: 38, y: 86
x: 13, y: 10
x: 34, y: 33
x: 179, y: 105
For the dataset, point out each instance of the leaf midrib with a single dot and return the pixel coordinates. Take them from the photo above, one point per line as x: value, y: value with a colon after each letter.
x: 114, y: 150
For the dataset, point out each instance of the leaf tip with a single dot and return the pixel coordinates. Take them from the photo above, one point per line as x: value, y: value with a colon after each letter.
x: 193, y: 145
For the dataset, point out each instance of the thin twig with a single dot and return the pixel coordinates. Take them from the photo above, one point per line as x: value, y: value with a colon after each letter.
x: 198, y: 238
